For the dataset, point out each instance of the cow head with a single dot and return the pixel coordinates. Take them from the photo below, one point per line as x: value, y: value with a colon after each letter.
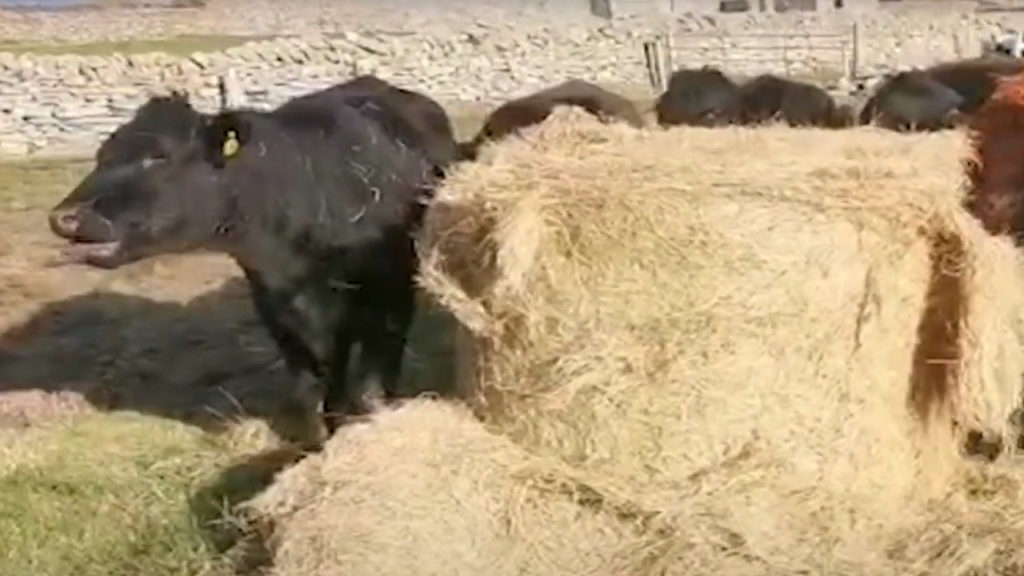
x: 156, y: 188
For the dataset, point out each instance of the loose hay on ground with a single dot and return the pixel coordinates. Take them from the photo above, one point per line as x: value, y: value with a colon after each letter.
x: 427, y: 490
x: 762, y: 336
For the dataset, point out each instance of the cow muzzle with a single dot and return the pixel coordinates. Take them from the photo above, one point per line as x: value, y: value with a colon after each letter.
x: 79, y: 225
x: 64, y: 223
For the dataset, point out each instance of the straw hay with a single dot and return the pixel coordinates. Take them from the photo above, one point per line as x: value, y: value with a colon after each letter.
x: 425, y: 490
x: 771, y: 340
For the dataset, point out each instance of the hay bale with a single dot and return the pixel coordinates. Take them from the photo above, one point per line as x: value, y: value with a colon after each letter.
x: 426, y: 490
x: 769, y: 338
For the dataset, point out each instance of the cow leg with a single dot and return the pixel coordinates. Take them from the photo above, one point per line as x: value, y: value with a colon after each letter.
x: 340, y: 400
x: 300, y: 362
x: 343, y: 397
x: 384, y: 333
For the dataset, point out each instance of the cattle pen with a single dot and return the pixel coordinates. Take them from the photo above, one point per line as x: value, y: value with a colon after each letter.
x: 824, y: 57
x: 830, y: 56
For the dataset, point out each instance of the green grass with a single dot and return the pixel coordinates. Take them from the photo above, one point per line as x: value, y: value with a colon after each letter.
x: 175, y: 46
x: 37, y: 183
x: 113, y: 495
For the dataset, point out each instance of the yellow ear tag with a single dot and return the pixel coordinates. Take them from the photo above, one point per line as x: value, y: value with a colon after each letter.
x: 231, y: 144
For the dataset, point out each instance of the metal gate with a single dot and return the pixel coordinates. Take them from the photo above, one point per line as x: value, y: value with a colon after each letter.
x: 822, y: 57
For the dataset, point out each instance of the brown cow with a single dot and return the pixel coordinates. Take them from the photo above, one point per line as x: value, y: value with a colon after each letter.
x: 535, y: 108
x: 996, y: 172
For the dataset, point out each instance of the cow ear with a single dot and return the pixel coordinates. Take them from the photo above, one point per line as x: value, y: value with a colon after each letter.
x: 226, y: 135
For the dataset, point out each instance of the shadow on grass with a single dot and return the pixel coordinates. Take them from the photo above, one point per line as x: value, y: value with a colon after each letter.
x: 205, y: 362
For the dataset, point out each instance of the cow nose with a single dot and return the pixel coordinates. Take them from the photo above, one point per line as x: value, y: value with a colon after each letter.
x: 64, y: 222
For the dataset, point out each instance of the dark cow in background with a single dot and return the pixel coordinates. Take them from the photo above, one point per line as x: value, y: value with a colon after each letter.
x: 913, y: 100
x: 516, y: 114
x: 315, y: 201
x: 938, y: 97
x: 699, y: 97
x: 768, y: 97
x: 975, y: 79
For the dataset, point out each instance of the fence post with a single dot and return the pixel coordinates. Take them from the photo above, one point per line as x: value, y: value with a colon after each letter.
x: 655, y: 64
x: 230, y: 91
x: 969, y: 43
x: 854, y: 51
x: 785, y: 55
x: 668, y: 61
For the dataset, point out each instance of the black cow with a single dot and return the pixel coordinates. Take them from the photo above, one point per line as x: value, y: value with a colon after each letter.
x: 974, y: 79
x: 768, y: 97
x: 516, y: 114
x: 912, y: 100
x: 314, y: 201
x: 699, y: 97
x: 414, y: 119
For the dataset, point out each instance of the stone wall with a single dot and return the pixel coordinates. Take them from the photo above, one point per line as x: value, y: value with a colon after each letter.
x: 64, y: 104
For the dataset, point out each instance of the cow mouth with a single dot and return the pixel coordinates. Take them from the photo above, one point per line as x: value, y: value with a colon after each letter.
x: 98, y: 254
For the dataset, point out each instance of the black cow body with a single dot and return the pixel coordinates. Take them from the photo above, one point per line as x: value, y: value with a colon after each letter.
x: 413, y: 119
x: 912, y: 100
x: 699, y: 97
x: 516, y: 114
x: 315, y: 201
x: 974, y: 79
x: 768, y: 98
